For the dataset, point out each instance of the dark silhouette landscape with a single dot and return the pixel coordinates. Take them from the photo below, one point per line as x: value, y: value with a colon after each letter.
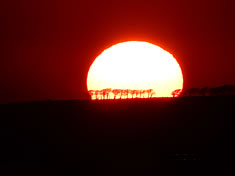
x: 158, y: 136
x: 50, y: 126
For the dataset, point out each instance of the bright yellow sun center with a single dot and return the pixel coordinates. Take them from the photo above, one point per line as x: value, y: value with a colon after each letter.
x: 137, y: 67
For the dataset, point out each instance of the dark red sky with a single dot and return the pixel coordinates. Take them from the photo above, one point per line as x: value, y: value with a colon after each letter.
x: 48, y: 46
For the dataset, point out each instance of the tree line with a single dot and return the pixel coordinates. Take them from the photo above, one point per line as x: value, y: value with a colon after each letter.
x: 121, y: 93
x: 226, y: 90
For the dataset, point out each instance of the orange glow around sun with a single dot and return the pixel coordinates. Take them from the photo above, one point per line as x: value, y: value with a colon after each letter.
x: 134, y: 70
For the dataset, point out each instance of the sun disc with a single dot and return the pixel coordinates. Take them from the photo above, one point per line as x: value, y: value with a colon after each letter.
x: 134, y: 65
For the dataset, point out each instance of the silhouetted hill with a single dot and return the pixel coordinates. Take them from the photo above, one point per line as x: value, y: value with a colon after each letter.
x: 188, y: 135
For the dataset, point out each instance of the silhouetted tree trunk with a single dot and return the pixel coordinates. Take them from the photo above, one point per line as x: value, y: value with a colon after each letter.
x: 132, y: 93
x: 150, y: 92
x: 121, y: 93
x: 96, y: 94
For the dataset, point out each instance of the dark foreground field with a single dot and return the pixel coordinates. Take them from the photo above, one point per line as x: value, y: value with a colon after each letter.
x: 181, y: 136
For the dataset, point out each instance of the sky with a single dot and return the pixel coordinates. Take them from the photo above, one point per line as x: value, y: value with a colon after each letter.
x: 48, y: 46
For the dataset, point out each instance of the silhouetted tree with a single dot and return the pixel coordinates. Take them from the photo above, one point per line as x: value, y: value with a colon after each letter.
x: 126, y: 92
x: 132, y: 92
x: 225, y: 90
x: 137, y: 92
x: 191, y: 92
x: 91, y: 93
x: 142, y: 92
x: 228, y: 90
x: 116, y: 92
x: 204, y: 91
x: 122, y: 92
x: 150, y: 92
x: 97, y: 93
x: 100, y: 93
x: 176, y: 92
x: 106, y: 93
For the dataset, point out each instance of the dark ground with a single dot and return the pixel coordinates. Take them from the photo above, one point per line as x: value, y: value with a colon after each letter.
x: 181, y: 136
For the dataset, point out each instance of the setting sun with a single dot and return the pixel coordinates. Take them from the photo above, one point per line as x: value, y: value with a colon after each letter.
x: 134, y: 70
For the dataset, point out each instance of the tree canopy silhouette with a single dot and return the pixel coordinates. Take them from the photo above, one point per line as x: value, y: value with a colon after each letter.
x: 226, y: 90
x: 176, y: 93
x: 120, y: 93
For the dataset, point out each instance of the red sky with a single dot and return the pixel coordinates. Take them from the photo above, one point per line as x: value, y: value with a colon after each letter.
x: 48, y: 46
